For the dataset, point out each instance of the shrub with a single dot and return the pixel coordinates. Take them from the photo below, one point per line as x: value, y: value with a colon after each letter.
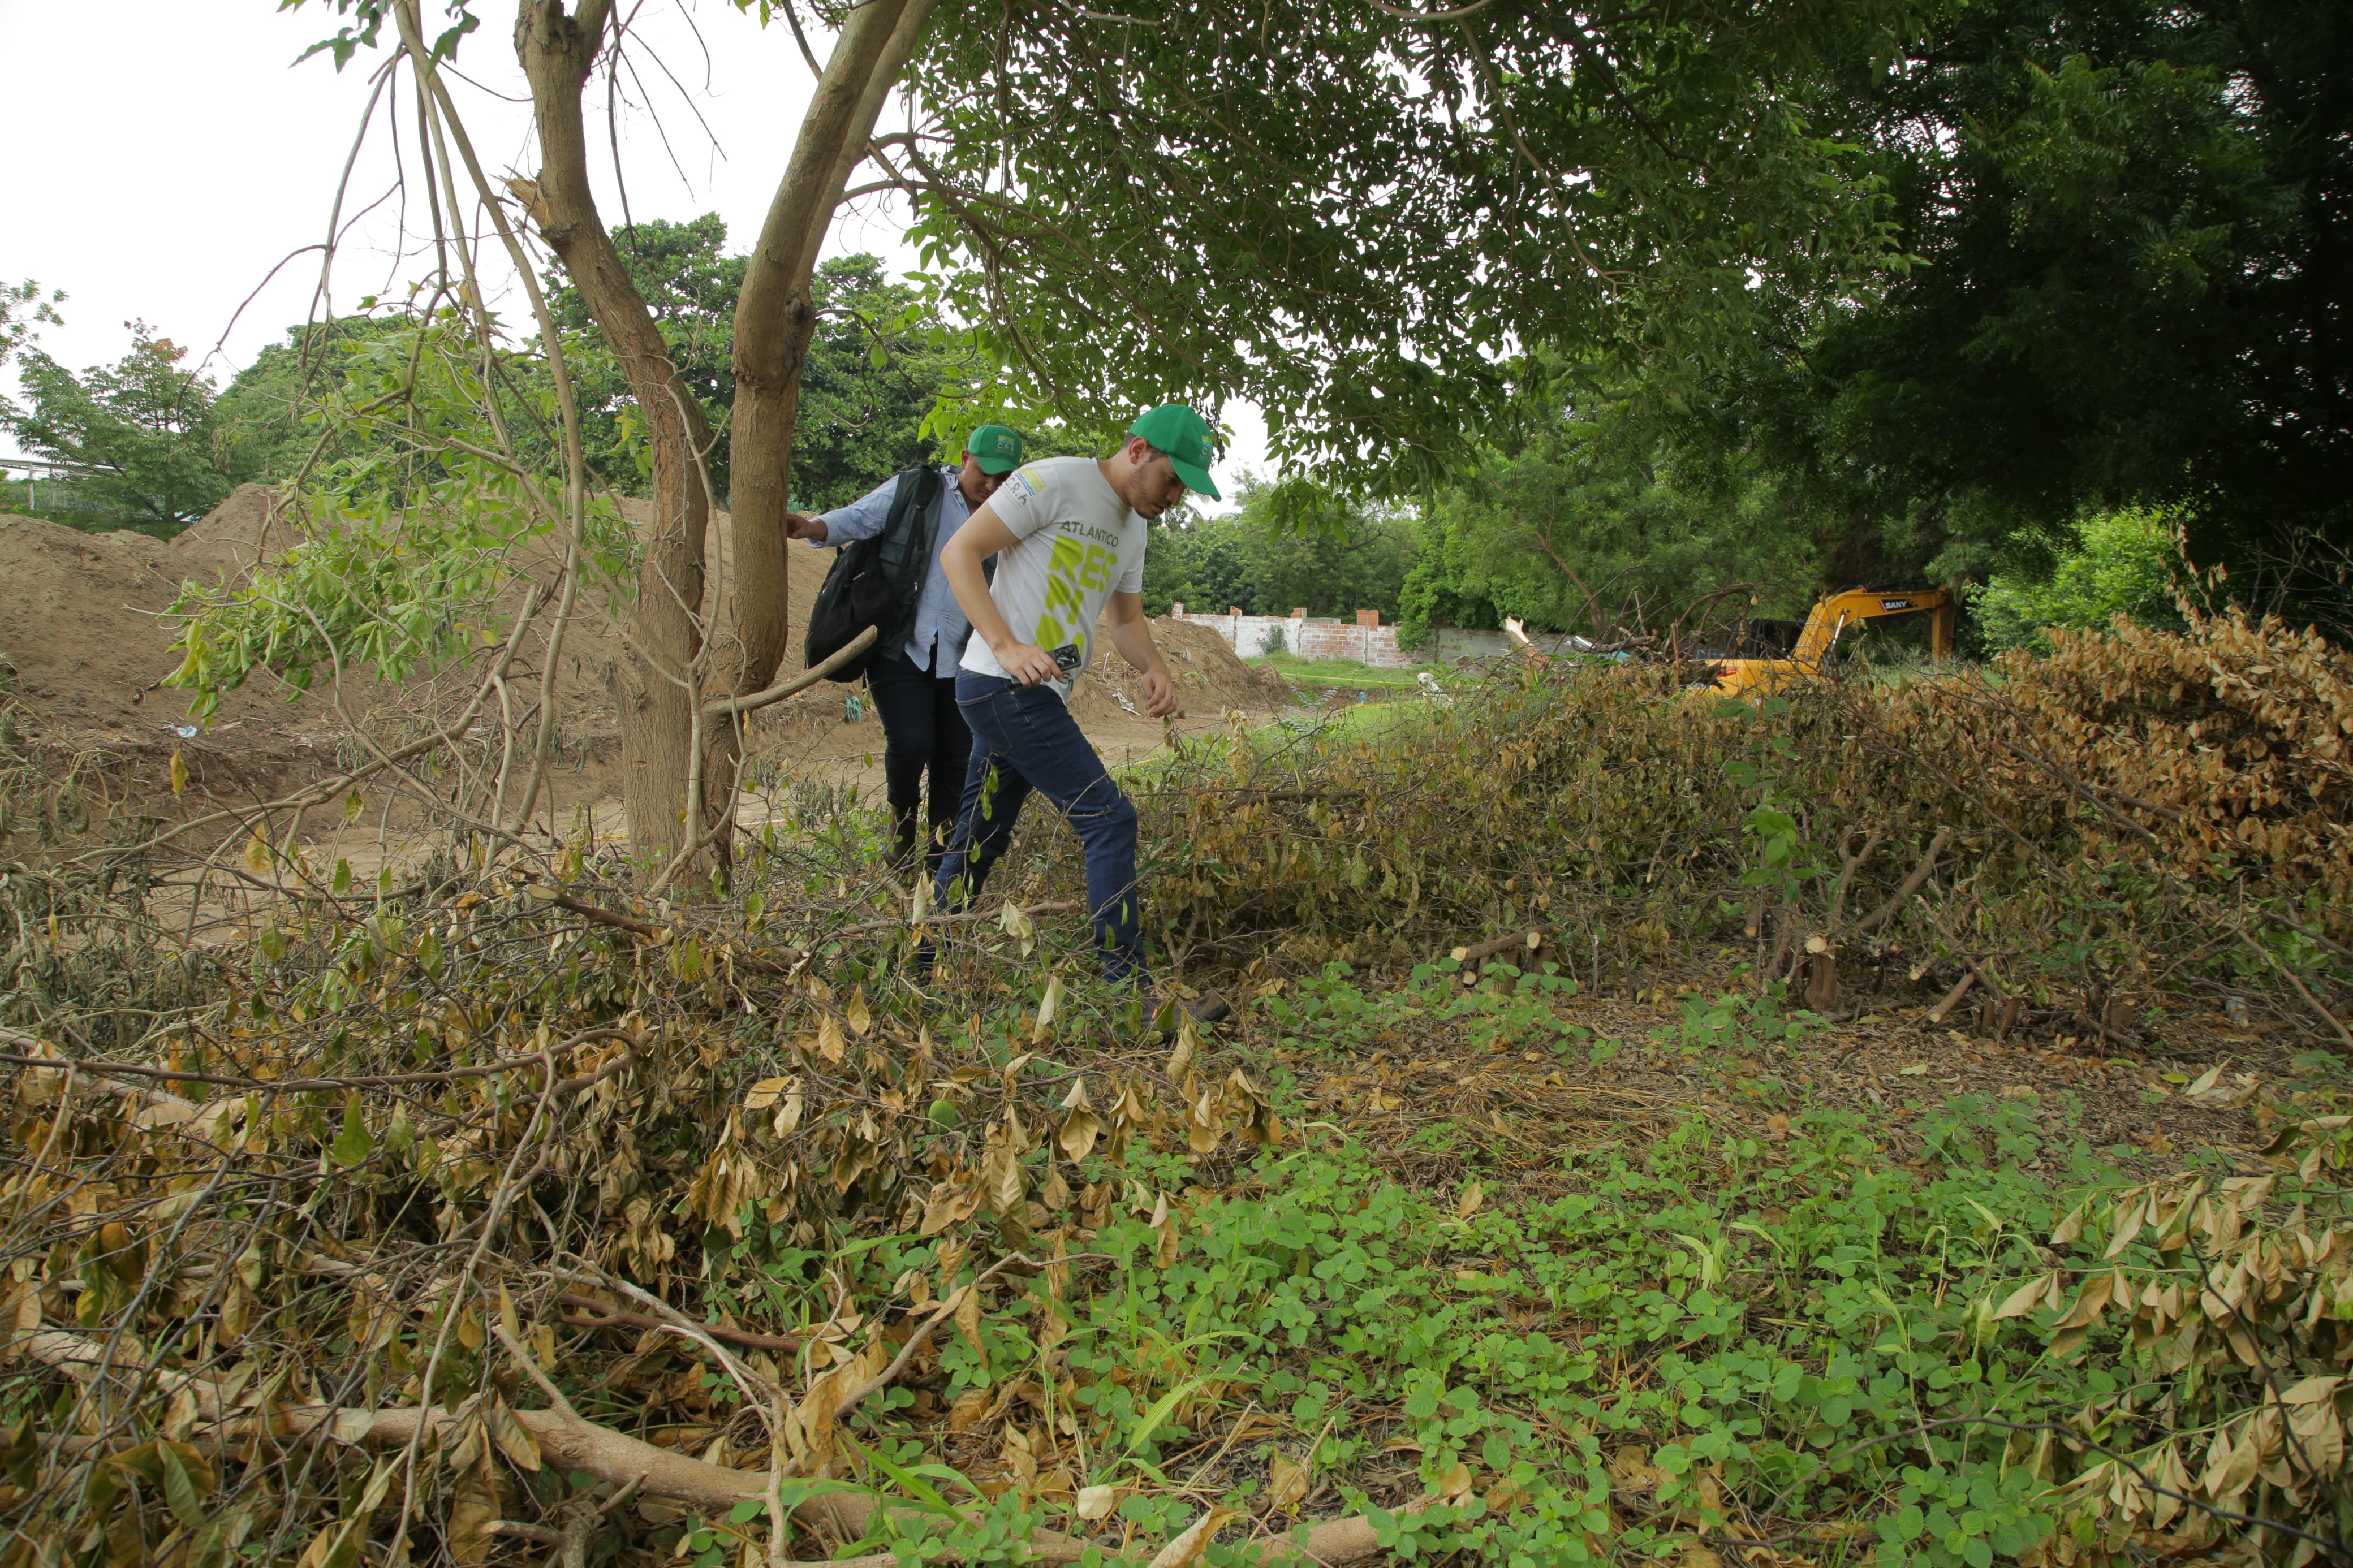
x: 2122, y: 563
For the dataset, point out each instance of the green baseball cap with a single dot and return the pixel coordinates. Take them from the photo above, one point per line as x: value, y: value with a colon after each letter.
x: 998, y: 449
x: 1184, y: 434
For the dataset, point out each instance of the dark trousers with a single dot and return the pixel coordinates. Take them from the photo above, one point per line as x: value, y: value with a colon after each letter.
x: 921, y: 729
x: 1024, y: 739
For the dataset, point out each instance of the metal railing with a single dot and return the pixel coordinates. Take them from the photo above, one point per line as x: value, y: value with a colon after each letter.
x: 55, y: 491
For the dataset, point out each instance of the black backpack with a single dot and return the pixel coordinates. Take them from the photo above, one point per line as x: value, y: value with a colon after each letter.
x: 876, y: 582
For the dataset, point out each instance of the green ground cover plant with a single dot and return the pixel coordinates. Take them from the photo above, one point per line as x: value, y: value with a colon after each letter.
x: 496, y: 1211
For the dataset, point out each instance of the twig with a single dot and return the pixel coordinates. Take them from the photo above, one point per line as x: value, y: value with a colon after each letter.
x: 563, y: 1089
x: 1886, y: 911
x: 612, y: 1317
x: 530, y: 1364
x: 732, y: 706
x: 2301, y: 989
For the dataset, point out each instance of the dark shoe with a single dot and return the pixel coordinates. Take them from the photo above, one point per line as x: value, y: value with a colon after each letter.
x: 1206, y: 1009
x: 906, y: 844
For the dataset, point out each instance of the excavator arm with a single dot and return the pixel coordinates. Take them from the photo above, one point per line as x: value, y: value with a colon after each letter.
x: 1833, y: 614
x: 1828, y: 621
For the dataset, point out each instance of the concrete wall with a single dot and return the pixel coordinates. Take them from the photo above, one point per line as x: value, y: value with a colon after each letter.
x: 1365, y: 639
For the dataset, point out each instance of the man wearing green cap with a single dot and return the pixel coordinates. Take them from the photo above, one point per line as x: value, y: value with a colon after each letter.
x: 1068, y: 534
x: 915, y: 684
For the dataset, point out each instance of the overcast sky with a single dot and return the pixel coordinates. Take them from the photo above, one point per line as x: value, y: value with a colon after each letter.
x: 170, y: 154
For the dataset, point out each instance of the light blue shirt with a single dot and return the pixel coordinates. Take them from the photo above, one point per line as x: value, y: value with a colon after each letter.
x: 940, y: 630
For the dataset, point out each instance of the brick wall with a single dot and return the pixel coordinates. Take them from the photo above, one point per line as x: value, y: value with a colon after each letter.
x: 1365, y: 639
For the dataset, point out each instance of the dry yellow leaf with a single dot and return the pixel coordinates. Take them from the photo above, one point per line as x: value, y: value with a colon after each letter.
x: 1048, y: 1006
x: 1181, y: 1551
x: 970, y: 1407
x: 968, y: 1319
x: 1180, y: 1060
x: 1287, y: 1483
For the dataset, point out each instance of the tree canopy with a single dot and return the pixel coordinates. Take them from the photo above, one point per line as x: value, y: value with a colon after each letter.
x: 1365, y: 219
x: 2132, y: 280
x: 1607, y: 519
x: 141, y: 434
x: 877, y: 365
x: 1248, y: 559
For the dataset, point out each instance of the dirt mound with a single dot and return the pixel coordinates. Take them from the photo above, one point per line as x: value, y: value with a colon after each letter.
x: 87, y: 641
x: 229, y: 541
x: 1210, y: 680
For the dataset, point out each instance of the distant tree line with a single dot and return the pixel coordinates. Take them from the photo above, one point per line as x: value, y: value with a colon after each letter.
x: 159, y: 444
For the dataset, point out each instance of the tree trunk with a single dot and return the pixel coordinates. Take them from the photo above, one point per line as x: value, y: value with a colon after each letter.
x: 661, y: 681
x: 774, y: 319
x: 667, y: 677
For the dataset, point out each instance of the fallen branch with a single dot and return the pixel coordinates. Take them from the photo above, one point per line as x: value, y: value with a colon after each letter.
x: 940, y: 1314
x: 625, y: 1461
x: 647, y: 930
x: 2302, y: 990
x: 1983, y: 974
x: 1953, y: 997
x: 622, y: 1460
x: 34, y: 1049
x: 1530, y: 939
x: 1848, y: 866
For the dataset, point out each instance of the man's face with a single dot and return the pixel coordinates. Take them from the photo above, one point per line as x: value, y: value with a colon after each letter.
x: 1153, y: 485
x: 977, y: 484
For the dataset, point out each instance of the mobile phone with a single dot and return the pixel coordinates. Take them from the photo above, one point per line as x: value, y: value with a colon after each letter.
x: 1066, y: 659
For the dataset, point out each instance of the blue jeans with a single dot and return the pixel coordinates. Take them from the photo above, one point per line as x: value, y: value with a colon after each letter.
x: 1024, y: 739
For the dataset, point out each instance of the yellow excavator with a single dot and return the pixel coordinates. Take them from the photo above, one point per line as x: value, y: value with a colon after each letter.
x: 1776, y: 653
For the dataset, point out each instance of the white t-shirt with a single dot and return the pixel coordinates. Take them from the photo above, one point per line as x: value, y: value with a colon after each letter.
x: 1076, y: 543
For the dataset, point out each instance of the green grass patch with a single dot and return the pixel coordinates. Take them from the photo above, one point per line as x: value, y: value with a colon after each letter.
x: 1345, y: 672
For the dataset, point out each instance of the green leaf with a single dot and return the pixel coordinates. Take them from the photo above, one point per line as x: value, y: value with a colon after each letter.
x: 924, y: 1495
x: 180, y: 1489
x: 355, y: 1143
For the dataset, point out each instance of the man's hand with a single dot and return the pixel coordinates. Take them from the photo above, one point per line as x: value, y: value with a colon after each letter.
x: 805, y: 525
x: 1026, y: 663
x: 1159, y: 694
